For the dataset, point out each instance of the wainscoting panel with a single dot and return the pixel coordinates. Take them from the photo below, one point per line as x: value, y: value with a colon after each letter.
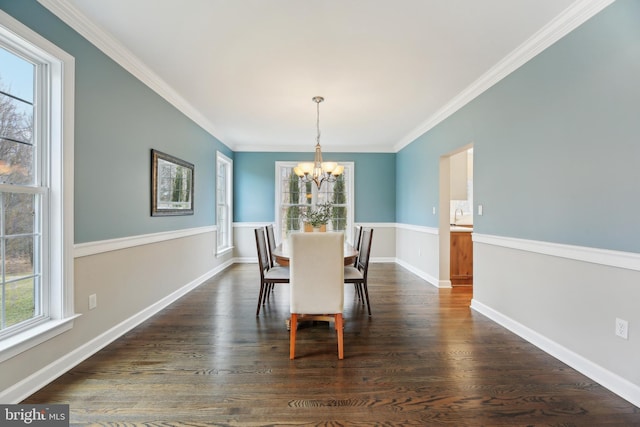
x: 567, y: 307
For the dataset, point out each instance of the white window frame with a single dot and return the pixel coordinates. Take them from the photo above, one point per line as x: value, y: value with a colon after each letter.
x: 54, y: 128
x: 226, y: 204
x: 349, y: 170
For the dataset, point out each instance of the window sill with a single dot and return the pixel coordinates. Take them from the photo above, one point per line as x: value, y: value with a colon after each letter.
x: 16, y: 344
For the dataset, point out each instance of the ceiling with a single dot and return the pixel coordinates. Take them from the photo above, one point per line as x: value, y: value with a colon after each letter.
x: 247, y: 70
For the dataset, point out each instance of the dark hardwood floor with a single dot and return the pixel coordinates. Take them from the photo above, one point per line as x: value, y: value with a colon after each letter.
x: 424, y: 358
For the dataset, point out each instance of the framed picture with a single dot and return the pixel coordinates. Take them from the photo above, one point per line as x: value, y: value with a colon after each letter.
x: 171, y: 185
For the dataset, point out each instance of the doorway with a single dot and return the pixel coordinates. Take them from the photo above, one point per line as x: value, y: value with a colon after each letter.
x: 456, y: 218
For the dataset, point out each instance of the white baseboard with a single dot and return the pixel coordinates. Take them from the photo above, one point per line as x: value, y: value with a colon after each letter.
x: 604, y: 377
x: 425, y: 276
x: 44, y: 376
x: 381, y: 259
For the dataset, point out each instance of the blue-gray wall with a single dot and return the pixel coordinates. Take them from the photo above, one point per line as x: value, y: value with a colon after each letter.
x: 254, y: 184
x: 556, y: 143
x: 118, y: 121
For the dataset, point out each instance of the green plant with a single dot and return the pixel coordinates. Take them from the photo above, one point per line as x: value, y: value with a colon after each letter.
x: 318, y: 216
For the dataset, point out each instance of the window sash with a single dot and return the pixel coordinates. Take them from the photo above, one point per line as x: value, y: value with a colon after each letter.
x: 224, y: 203
x: 17, y: 301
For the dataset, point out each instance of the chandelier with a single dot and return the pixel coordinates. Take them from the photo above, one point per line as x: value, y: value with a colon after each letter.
x: 318, y: 171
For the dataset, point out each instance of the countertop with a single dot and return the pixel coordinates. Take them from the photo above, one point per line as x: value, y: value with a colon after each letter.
x: 461, y: 229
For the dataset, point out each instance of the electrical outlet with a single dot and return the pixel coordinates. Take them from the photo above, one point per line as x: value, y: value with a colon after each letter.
x: 433, y: 211
x: 93, y: 301
x: 622, y: 328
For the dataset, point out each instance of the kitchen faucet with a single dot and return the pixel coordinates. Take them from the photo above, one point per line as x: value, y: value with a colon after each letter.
x: 455, y: 215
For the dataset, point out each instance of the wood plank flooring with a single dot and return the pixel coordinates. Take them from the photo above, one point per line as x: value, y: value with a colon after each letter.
x: 423, y: 359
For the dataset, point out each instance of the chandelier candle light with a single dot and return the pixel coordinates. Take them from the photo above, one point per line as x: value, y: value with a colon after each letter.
x: 318, y: 171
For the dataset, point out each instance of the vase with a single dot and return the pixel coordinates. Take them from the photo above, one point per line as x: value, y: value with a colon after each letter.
x: 310, y: 228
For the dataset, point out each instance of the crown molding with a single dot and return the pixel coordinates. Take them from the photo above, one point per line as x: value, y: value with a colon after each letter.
x: 572, y: 17
x: 127, y: 60
x: 309, y: 149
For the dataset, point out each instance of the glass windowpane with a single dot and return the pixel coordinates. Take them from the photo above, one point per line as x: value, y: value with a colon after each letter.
x: 17, y: 76
x: 20, y: 301
x: 16, y: 161
x: 19, y: 257
x: 16, y: 119
x: 19, y: 213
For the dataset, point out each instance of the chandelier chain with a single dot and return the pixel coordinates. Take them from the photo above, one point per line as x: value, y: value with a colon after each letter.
x: 318, y: 100
x: 318, y: 171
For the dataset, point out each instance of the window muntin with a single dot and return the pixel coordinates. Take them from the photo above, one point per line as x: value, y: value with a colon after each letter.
x: 224, y: 212
x: 293, y: 197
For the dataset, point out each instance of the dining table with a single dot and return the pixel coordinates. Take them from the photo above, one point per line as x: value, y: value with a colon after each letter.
x: 281, y: 254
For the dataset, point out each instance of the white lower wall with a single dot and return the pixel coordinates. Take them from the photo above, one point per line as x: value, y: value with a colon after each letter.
x: 418, y: 250
x: 564, y: 305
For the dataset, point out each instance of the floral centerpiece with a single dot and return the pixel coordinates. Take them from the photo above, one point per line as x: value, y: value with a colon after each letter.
x: 318, y: 217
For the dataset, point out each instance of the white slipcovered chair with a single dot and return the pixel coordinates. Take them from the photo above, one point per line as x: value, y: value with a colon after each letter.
x: 317, y: 281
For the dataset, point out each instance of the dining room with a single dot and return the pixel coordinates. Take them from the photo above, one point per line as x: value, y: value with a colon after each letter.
x: 132, y: 183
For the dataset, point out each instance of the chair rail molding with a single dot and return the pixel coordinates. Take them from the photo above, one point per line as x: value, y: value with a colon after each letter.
x: 97, y: 247
x: 627, y: 260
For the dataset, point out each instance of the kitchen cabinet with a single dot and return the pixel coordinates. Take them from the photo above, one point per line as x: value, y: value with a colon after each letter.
x: 461, y: 257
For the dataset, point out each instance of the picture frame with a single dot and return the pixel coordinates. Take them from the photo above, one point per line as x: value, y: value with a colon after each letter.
x: 172, y: 185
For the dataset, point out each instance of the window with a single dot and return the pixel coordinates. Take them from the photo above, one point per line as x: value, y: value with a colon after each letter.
x: 36, y: 188
x: 224, y: 212
x: 294, y: 197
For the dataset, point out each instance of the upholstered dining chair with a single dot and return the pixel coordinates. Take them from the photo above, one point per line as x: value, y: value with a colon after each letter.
x: 358, y: 275
x: 317, y: 282
x: 268, y: 275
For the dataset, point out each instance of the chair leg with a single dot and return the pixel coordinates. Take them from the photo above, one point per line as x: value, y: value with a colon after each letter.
x: 340, y: 331
x: 262, y: 285
x: 267, y: 293
x: 357, y: 288
x: 292, y: 335
x: 366, y: 294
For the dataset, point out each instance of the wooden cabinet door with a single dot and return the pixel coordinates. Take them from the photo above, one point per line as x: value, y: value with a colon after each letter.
x: 461, y: 259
